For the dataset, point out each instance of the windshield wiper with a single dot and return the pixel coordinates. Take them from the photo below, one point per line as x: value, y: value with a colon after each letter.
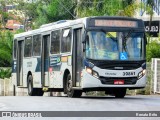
x: 125, y: 38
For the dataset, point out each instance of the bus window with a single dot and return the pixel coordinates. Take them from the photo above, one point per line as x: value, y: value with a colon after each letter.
x: 36, y: 45
x: 15, y: 49
x: 28, y: 47
x: 66, y: 41
x: 55, y: 42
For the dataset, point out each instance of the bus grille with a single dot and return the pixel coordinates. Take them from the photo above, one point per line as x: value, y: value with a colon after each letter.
x: 115, y: 65
x: 124, y: 66
x: 127, y: 81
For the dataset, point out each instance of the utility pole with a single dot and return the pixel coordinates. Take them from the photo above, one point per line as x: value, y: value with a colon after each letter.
x: 78, y: 1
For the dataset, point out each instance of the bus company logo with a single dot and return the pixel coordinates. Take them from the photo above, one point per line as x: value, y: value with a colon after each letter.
x: 21, y: 114
x: 6, y: 114
x: 110, y: 74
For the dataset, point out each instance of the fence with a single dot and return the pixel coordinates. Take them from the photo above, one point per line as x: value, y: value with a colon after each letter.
x: 155, y: 67
x: 6, y: 87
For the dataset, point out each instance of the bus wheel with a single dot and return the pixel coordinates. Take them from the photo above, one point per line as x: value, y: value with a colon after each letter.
x: 120, y: 92
x: 33, y: 91
x: 70, y: 91
x: 39, y: 92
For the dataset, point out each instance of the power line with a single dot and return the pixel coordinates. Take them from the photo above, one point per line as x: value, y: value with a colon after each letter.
x: 67, y: 10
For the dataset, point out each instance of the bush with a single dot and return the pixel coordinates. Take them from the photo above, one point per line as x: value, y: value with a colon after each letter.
x: 152, y: 49
x: 6, y: 39
x: 5, y: 73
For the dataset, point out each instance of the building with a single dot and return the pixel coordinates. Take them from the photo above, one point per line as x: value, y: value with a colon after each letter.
x: 155, y: 24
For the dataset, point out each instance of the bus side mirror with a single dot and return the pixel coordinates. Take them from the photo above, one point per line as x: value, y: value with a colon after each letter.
x: 145, y: 39
x: 84, y: 38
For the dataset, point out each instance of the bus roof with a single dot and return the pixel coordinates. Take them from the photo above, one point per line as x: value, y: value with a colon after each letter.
x: 51, y: 26
x: 65, y: 23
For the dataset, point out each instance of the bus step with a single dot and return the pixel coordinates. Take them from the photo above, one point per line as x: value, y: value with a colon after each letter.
x: 21, y: 87
x: 76, y: 88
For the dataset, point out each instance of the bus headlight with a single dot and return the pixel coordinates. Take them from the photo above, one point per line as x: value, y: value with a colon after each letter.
x: 141, y: 74
x: 93, y: 73
x: 89, y: 70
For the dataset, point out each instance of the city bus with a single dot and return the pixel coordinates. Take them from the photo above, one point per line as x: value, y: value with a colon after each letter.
x: 99, y: 53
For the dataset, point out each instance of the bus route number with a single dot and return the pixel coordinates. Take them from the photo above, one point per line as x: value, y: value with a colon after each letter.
x: 128, y: 73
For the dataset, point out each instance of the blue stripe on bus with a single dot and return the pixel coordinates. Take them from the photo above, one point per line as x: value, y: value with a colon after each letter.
x: 88, y: 64
x: 53, y: 62
x: 38, y: 66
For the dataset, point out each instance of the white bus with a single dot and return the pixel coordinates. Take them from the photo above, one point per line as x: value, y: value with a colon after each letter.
x: 88, y: 54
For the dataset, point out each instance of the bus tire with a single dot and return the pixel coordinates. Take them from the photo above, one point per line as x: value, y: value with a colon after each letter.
x: 33, y: 91
x: 70, y: 92
x: 40, y: 92
x: 120, y: 92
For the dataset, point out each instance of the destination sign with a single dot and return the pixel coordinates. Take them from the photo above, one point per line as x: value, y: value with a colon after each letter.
x: 115, y: 23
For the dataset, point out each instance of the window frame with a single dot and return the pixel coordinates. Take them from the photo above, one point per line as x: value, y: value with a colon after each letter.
x: 40, y: 52
x: 71, y: 33
x: 25, y: 46
x: 50, y: 50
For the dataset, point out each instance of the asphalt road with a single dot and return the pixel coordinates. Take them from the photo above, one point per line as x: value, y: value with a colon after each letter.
x: 107, y: 103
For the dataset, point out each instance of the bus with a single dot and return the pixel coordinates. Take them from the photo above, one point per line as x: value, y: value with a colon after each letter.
x: 99, y: 53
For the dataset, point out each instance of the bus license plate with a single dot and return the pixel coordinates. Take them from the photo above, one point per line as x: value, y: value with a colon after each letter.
x: 118, y: 82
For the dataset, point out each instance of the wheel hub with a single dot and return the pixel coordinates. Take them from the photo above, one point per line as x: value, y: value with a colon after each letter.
x: 69, y: 85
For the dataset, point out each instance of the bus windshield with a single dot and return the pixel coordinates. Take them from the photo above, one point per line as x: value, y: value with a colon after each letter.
x: 127, y: 45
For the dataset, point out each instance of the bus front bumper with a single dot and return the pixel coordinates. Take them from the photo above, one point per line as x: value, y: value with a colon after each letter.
x: 88, y: 81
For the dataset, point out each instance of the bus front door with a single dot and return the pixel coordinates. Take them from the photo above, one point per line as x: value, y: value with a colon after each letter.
x: 45, y: 60
x: 77, y: 57
x: 20, y: 63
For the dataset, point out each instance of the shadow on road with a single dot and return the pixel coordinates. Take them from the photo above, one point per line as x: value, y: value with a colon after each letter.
x: 106, y: 97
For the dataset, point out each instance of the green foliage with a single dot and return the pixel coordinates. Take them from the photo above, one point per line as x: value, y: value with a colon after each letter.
x: 5, y: 73
x: 6, y: 38
x: 153, y: 50
x: 130, y: 10
x: 96, y: 93
x: 98, y: 8
x: 3, y: 15
x: 51, y: 11
x: 27, y: 11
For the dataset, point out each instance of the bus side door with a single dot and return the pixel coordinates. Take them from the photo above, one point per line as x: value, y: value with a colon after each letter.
x: 20, y: 54
x: 45, y: 60
x: 77, y: 56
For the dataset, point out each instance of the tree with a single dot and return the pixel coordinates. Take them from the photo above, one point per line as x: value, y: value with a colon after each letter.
x: 149, y: 10
x: 98, y: 7
x: 27, y: 12
x: 6, y: 38
x: 4, y: 16
x: 153, y: 50
x: 54, y: 10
